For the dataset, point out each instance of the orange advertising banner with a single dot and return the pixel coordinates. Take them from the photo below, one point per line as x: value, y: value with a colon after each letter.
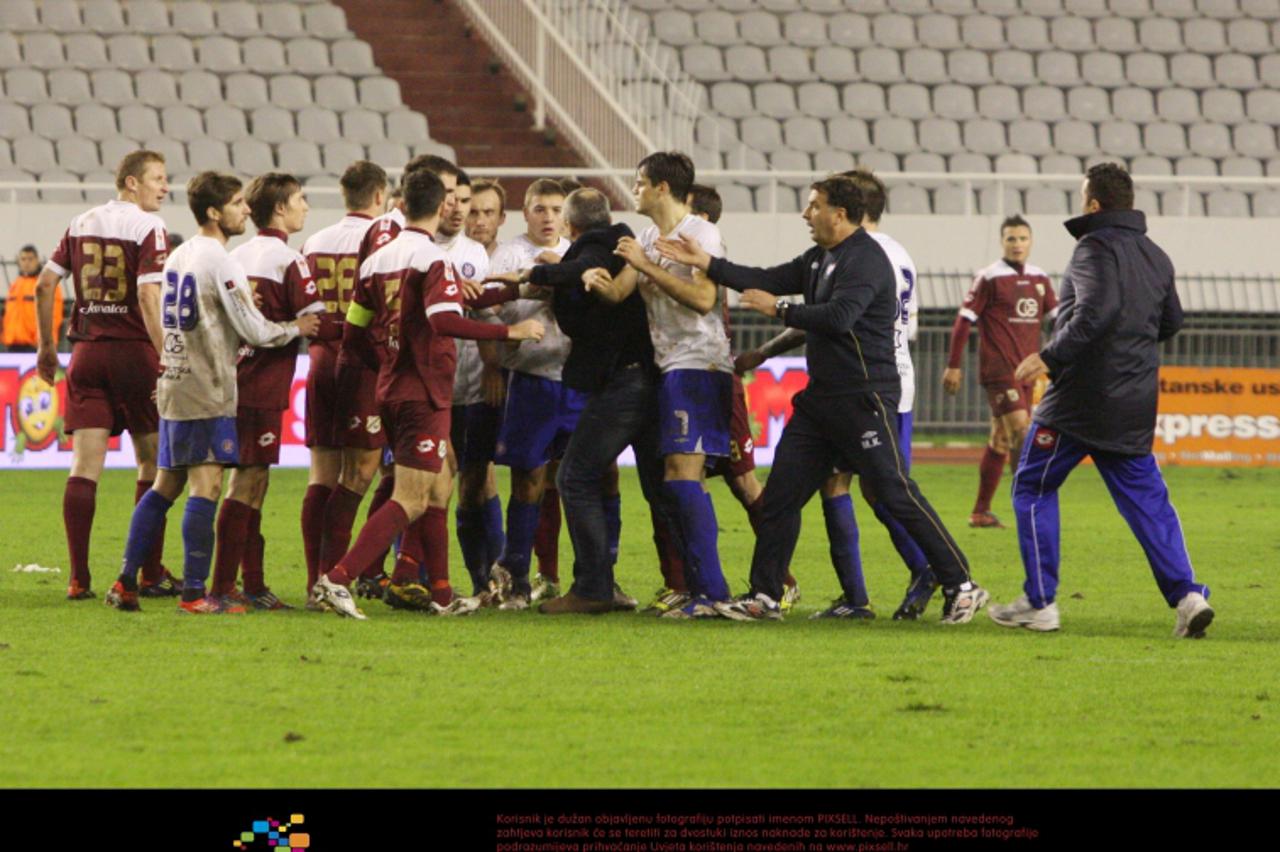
x: 1218, y: 416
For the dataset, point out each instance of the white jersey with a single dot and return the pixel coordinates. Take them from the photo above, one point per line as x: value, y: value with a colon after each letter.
x: 544, y: 358
x: 471, y: 262
x: 907, y: 319
x: 207, y: 309
x: 684, y: 339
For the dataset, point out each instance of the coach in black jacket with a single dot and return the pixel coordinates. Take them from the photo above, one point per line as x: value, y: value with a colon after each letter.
x: 847, y: 413
x: 1118, y: 301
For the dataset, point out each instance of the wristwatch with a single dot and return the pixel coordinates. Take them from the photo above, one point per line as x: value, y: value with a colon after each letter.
x: 780, y: 308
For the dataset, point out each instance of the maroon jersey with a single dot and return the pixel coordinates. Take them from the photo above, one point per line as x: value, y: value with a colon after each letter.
x: 333, y: 253
x: 1009, y: 307
x: 383, y: 230
x: 281, y: 277
x: 108, y: 252
x: 402, y: 285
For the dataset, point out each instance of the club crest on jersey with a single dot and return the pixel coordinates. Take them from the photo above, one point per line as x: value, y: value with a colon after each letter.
x: 372, y: 424
x: 1012, y: 393
x: 1046, y: 439
x: 310, y: 289
x: 442, y: 449
x: 267, y: 439
x: 468, y: 270
x: 229, y: 284
x: 870, y: 439
x: 1040, y: 289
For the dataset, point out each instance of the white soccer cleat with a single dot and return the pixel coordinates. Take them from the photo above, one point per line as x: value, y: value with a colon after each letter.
x: 457, y: 607
x: 1194, y: 615
x: 960, y: 605
x: 1021, y: 613
x: 338, y: 598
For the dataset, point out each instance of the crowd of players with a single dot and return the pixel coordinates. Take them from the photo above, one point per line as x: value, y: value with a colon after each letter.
x: 436, y: 352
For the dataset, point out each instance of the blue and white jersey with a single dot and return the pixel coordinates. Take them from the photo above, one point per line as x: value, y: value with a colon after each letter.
x: 544, y: 357
x: 907, y: 320
x: 471, y: 262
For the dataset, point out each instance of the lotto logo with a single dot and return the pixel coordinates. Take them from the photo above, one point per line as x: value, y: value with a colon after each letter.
x: 372, y: 425
x: 1046, y: 439
x: 426, y: 446
x: 310, y: 289
x: 870, y: 439
x: 267, y: 439
x: 354, y: 422
x: 1027, y: 308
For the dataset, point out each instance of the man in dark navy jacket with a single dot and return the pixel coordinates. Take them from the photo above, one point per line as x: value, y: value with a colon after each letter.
x: 1118, y: 302
x: 847, y: 414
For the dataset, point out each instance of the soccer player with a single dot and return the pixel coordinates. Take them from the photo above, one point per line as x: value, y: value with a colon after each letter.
x: 409, y: 305
x: 540, y: 411
x: 1119, y: 302
x: 284, y: 289
x: 207, y: 311
x: 1008, y: 300
x: 344, y: 454
x: 695, y: 394
x: 115, y: 254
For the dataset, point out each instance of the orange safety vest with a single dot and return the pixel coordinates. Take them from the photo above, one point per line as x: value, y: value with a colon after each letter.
x: 20, y: 312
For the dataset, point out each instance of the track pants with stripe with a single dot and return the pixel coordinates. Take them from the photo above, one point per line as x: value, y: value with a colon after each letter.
x: 857, y: 432
x: 1139, y: 492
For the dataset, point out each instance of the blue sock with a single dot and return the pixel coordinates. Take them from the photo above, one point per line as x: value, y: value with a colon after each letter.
x: 522, y: 524
x: 612, y: 505
x: 144, y: 526
x: 696, y: 516
x: 910, y: 552
x: 474, y: 547
x: 842, y: 533
x: 197, y: 543
x: 495, y: 538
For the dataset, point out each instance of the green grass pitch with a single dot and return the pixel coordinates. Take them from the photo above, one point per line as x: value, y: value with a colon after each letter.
x: 98, y: 698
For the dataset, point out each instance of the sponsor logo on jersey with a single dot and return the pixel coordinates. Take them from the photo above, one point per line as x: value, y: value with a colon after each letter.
x: 1027, y: 307
x: 101, y: 308
x: 267, y: 439
x: 870, y: 439
x: 173, y: 343
x: 426, y: 446
x: 1046, y: 439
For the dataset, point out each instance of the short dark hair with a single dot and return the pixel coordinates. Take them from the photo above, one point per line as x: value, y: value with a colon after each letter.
x: 873, y: 192
x: 424, y: 192
x: 29, y: 248
x: 429, y: 162
x: 1014, y: 221
x: 134, y: 165
x: 210, y: 189
x: 704, y: 200
x: 266, y: 192
x: 464, y: 179
x: 844, y: 193
x: 586, y: 208
x: 671, y: 167
x: 360, y: 182
x: 1110, y: 185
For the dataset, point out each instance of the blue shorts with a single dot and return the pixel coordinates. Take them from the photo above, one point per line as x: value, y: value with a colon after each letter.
x: 187, y: 443
x: 694, y: 407
x: 539, y: 418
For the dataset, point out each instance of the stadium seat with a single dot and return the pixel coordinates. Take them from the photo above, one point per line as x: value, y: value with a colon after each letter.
x: 225, y: 122
x: 1261, y: 9
x: 252, y: 156
x: 982, y: 32
x: 835, y: 64
x: 1164, y: 139
x: 326, y: 21
x: 830, y: 161
x: 319, y: 126
x: 990, y: 201
x: 1088, y: 103
x: 387, y: 151
x: 265, y: 55
x: 1254, y: 140
x: 352, y: 56
x: 851, y: 134
x: 1104, y: 70
x: 60, y: 196
x: 1227, y: 202
x: 714, y: 132
x: 674, y: 27
x: 209, y: 154
x: 1071, y: 34
x: 1149, y: 164
x: 1042, y: 8
x: 1266, y: 203
x: 895, y: 135
x: 1160, y: 35
x: 1191, y: 71
x: 380, y: 93
x: 1028, y: 136
x: 86, y: 50
x: 173, y: 53
x: 175, y: 153
x: 821, y: 100
x: 97, y: 121
x: 272, y: 124
x: 1195, y: 167
x: 1131, y: 8
x: 908, y: 200
x: 778, y: 199
x: 1269, y: 66
x: 19, y: 176
x: 1235, y: 71
x: 293, y: 92
x: 1044, y: 103
x: 78, y: 154
x: 247, y: 91
x: 747, y: 63
x: 52, y: 121
x: 880, y: 65
x: 200, y: 89
x: 43, y: 51
x: 892, y: 30
x: 34, y: 154
x: 147, y: 16
x: 952, y: 101
x: 10, y: 52
x: 1174, y: 8
x: 193, y: 18
x: 791, y: 160
x: 790, y: 64
x: 1217, y: 8
x: 154, y: 88
x: 1226, y: 106
x: 1177, y: 105
x: 1117, y: 35
x: 1241, y: 167
x: 940, y: 136
x: 1016, y: 164
x: 67, y: 86
x: 999, y: 102
x: 1013, y: 68
x: 339, y: 154
x: 60, y: 16
x: 129, y: 52
x: 1059, y: 164
x: 925, y: 65
x: 732, y: 99
x: 1076, y: 138
x: 25, y: 86
x: 104, y: 16
x: 762, y: 133
x: 408, y: 127
x: 1204, y: 35
x: 969, y: 67
x: 804, y: 133
x: 879, y: 161
x: 139, y: 121
x: 300, y: 157
x: 1248, y: 36
x: 940, y: 32
x: 1263, y: 105
x: 1148, y: 70
x: 850, y: 31
x: 282, y: 20
x: 969, y: 162
x: 703, y: 62
x: 15, y: 120
x: 736, y: 197
x: 238, y: 19
x: 1058, y: 68
x: 363, y: 125
x: 1028, y: 33
x: 1047, y: 201
x: 805, y: 29
x: 1210, y: 140
x: 985, y: 136
x: 307, y: 56
x: 1133, y: 104
x: 908, y: 100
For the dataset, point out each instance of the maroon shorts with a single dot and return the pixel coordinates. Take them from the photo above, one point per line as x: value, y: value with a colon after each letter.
x: 1008, y: 398
x: 742, y: 448
x: 258, y: 431
x: 363, y: 430
x: 111, y: 384
x: 417, y: 433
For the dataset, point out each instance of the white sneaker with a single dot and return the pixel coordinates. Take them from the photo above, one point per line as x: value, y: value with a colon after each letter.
x: 1194, y: 615
x: 457, y: 606
x: 960, y: 605
x: 514, y: 602
x: 499, y: 581
x: 337, y: 597
x: 1021, y: 613
x: 543, y: 589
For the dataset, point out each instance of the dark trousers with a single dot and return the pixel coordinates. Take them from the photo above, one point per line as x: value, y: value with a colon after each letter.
x: 622, y: 413
x: 858, y: 430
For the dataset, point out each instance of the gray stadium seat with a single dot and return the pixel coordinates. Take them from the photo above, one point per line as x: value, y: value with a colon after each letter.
x: 155, y: 88
x: 1131, y: 8
x: 117, y: 147
x: 68, y: 86
x: 147, y: 16
x: 1076, y: 138
x: 1263, y: 105
x: 238, y: 20
x: 1016, y: 164
x: 908, y: 100
x: 1160, y: 35
x: 819, y: 99
x: 1044, y: 103
x: 1149, y: 164
x: 791, y: 160
x: 1235, y: 71
x: 247, y: 91
x: 1269, y: 67
x: 806, y: 29
x: 970, y: 67
x: 951, y: 199
x: 1266, y: 203
x: 989, y: 201
x: 1028, y: 136
x: 209, y: 154
x: 293, y: 92
x: 193, y: 18
x: 940, y: 32
x: 1178, y: 105
x: 51, y: 121
x: 282, y: 20
x: 1226, y: 106
x: 1165, y: 139
x: 735, y: 197
x: 952, y: 101
x: 407, y: 126
x: 15, y: 120
x: 86, y: 50
x: 1204, y: 35
x: 182, y: 122
x: 225, y: 122
x: 865, y: 99
x: 714, y: 132
x: 43, y: 51
x: 703, y: 62
x: 879, y: 161
x: 835, y: 64
x: 714, y: 27
x: 1088, y: 103
x: 1118, y: 35
x: 732, y: 99
x: 104, y: 17
x: 352, y: 56
x: 1028, y: 33
x: 339, y: 154
x: 10, y: 52
x: 129, y: 52
x: 1148, y: 70
x: 139, y: 121
x: 380, y: 93
x: 1060, y: 164
x: 896, y: 31
x: 1227, y: 202
x: 880, y: 65
x: 34, y: 154
x: 1254, y: 140
x: 264, y: 54
x: 1042, y: 8
x: 832, y: 161
x: 1058, y: 68
x: 999, y: 102
x: 1133, y: 104
x: 252, y: 156
x: 60, y: 196
x: 850, y: 31
x: 175, y: 153
x: 326, y: 21
x: 985, y: 136
x: 61, y: 16
x: 1241, y: 167
x: 1048, y: 201
x: 1217, y: 8
x: 969, y: 162
x: 1105, y: 70
x: 777, y: 100
x: 387, y: 152
x: 1013, y: 68
x: 747, y: 63
x: 25, y: 86
x: 1261, y: 9
x: 300, y: 157
x: 96, y: 121
x: 940, y: 136
x: 200, y: 89
x: 272, y: 124
x: 173, y: 53
x: 923, y: 162
x: 895, y: 135
x: 307, y: 55
x: 101, y: 196
x: 1071, y: 34
x: 78, y: 154
x: 779, y: 199
x: 908, y: 7
x: 1195, y: 167
x: 363, y: 126
x: 925, y: 65
x: 1191, y: 71
x: 19, y: 176
x: 790, y: 63
x: 848, y: 133
x: 1175, y: 8
x: 762, y: 133
x: 803, y: 133
x: 982, y: 32
x: 1248, y: 36
x: 908, y: 200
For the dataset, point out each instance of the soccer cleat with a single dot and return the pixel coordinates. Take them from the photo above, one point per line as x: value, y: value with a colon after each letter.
x: 668, y: 599
x: 122, y: 599
x: 960, y: 605
x: 514, y: 601
x: 1021, y: 613
x: 77, y: 592
x: 211, y: 605
x: 338, y: 598
x: 544, y: 588
x: 985, y: 520
x: 408, y: 596
x: 236, y: 597
x: 571, y: 604
x: 919, y: 592
x: 750, y: 607
x: 622, y: 600
x: 266, y: 600
x: 1194, y: 615
x: 168, y: 586
x: 313, y: 605
x: 841, y: 608
x: 500, y: 581
x: 699, y: 607
x: 790, y: 597
x: 456, y: 607
x: 374, y: 588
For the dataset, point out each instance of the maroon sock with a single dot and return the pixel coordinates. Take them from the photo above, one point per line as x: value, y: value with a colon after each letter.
x: 386, y: 485
x: 230, y: 541
x: 255, y: 549
x: 409, y: 561
x: 153, y: 568
x: 669, y: 560
x: 435, y: 551
x: 376, y: 536
x: 339, y: 516
x: 79, y: 501
x: 989, y: 470
x: 313, y: 528
x: 546, y: 539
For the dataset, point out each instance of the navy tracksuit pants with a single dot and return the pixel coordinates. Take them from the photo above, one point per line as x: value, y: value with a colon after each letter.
x: 1139, y: 492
